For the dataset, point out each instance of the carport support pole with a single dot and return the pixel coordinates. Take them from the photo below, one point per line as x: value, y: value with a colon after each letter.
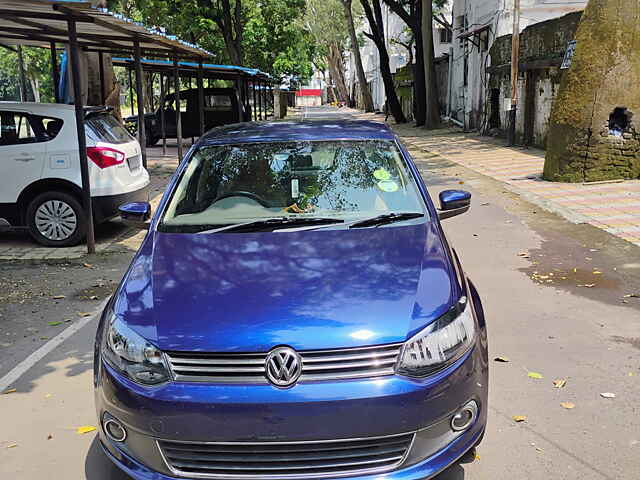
x: 201, y: 96
x: 254, y: 109
x: 55, y: 72
x: 245, y: 87
x: 23, y: 76
x: 142, y: 137
x: 176, y: 81
x: 103, y: 95
x: 260, y: 97
x: 162, y: 124
x: 131, y: 90
x: 82, y: 140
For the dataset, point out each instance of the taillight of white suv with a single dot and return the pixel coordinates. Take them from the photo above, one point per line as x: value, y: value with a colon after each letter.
x: 105, y: 157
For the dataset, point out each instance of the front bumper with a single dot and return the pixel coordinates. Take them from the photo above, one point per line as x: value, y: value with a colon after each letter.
x: 307, y: 412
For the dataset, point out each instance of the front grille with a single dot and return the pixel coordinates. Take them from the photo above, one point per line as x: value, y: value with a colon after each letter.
x: 339, y: 364
x: 275, y: 460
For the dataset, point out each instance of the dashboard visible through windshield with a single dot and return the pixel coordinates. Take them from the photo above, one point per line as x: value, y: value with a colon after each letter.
x: 343, y: 180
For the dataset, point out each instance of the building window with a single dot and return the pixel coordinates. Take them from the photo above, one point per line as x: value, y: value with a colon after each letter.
x: 446, y: 35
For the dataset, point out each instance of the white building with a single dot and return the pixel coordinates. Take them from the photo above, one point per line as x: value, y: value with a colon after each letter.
x: 477, y: 23
x: 395, y: 30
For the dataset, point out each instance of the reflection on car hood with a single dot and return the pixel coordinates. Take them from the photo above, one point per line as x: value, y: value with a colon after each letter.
x: 310, y: 289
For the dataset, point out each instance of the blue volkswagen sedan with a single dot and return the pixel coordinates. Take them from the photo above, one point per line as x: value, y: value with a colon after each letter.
x: 294, y: 312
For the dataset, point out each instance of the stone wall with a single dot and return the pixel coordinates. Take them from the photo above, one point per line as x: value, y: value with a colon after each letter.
x: 593, y: 132
x: 542, y: 48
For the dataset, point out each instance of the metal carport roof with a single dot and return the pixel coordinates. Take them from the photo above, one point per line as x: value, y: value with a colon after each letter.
x: 41, y: 22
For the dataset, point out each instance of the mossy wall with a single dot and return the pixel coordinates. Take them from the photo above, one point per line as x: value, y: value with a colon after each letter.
x: 605, y: 74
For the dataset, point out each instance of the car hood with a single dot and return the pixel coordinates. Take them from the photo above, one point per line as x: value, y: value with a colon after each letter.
x: 315, y: 289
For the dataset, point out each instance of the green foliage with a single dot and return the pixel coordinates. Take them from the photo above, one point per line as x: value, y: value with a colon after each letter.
x: 37, y: 63
x: 271, y: 38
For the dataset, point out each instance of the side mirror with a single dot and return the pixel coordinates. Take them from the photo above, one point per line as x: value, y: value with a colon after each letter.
x: 136, y: 214
x: 453, y: 202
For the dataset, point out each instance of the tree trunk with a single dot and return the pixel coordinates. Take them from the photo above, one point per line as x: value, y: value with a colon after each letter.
x: 95, y: 94
x: 419, y: 87
x: 336, y: 67
x: 367, y: 100
x: 432, y: 109
x: 35, y: 88
x: 593, y: 131
x: 377, y: 36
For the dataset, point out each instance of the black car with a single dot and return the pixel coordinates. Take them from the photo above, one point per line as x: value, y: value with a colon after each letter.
x: 221, y: 107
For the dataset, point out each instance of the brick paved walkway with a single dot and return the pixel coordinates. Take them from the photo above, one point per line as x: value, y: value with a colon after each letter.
x: 614, y: 207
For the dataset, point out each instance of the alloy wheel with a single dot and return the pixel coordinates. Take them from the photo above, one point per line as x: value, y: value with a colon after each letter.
x: 56, y: 220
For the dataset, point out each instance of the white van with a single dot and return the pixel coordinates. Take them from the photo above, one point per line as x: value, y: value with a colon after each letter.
x: 40, y: 183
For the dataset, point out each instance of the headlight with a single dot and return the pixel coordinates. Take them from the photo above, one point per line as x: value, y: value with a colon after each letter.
x: 440, y: 344
x: 132, y: 355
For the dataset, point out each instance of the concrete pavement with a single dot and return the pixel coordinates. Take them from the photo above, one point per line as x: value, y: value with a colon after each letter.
x: 529, y: 266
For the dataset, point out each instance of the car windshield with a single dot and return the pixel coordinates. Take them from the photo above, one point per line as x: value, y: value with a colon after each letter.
x: 345, y: 180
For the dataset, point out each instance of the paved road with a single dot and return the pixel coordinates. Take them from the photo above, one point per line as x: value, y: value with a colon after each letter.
x: 518, y: 256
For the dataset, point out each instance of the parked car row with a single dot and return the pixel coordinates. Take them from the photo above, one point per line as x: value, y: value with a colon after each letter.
x: 40, y: 167
x: 221, y: 107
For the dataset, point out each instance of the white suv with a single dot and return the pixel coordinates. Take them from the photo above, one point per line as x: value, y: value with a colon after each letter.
x: 40, y: 184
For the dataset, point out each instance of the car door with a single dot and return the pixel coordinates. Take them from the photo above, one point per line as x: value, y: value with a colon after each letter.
x: 22, y: 154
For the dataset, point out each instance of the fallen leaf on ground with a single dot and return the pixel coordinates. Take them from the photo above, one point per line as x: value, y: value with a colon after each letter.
x: 567, y: 405
x: 54, y: 324
x: 87, y: 265
x: 632, y: 295
x: 524, y: 255
x: 83, y: 314
x: 85, y: 429
x: 58, y: 297
x: 534, y: 375
x: 48, y: 395
x: 93, y: 297
x: 575, y: 270
x: 519, y: 418
x: 559, y: 383
x: 501, y: 359
x: 588, y: 285
x: 597, y: 272
x: 631, y: 374
x: 460, y: 182
x: 12, y: 445
x: 49, y: 437
x: 11, y: 390
x: 477, y: 457
x: 608, y: 395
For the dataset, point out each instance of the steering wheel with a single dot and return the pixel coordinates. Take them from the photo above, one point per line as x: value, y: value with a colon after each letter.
x: 239, y: 193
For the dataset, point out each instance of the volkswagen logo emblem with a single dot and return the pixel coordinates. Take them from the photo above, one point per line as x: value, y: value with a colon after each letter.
x: 283, y: 366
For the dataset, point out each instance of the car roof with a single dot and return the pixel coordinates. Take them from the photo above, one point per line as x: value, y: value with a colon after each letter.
x: 36, y: 107
x: 254, y: 132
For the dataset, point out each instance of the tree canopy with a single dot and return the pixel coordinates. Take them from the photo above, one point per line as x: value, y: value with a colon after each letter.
x: 262, y: 34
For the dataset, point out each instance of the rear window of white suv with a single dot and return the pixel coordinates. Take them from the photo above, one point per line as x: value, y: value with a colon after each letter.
x: 105, y: 128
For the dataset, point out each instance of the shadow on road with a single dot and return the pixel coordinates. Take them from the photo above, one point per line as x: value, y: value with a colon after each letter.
x: 98, y: 467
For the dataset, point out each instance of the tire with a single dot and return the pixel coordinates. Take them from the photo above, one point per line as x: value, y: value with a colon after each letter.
x: 56, y: 219
x: 152, y: 140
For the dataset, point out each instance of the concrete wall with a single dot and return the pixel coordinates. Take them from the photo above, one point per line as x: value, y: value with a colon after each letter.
x: 309, y: 101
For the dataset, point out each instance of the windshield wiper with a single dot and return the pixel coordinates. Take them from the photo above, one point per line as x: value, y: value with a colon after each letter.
x: 385, y: 218
x: 270, y: 224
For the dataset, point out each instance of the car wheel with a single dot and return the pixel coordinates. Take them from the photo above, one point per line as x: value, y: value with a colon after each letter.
x: 152, y: 140
x: 56, y: 219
